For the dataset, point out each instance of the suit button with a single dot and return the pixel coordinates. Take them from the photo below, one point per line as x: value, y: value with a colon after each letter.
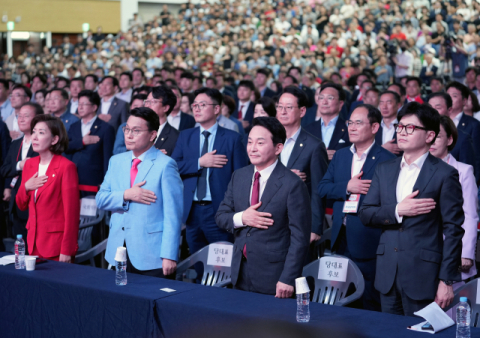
x: 123, y: 228
x: 396, y: 250
x: 248, y: 235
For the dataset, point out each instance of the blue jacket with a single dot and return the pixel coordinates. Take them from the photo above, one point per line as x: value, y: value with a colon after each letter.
x: 151, y: 232
x: 187, y: 152
x: 362, y: 241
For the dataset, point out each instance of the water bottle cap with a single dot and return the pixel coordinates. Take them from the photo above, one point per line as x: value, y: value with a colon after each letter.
x: 464, y: 299
x: 121, y: 255
x: 19, y: 236
x: 301, y: 285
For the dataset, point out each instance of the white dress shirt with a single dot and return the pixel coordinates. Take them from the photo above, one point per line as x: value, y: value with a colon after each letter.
x: 25, y: 147
x: 388, y: 131
x: 73, y: 106
x: 106, y: 105
x: 288, y: 147
x: 160, y: 129
x: 244, y: 108
x: 457, y: 118
x: 264, y: 176
x: 42, y: 170
x: 358, y: 162
x: 407, y: 179
x: 174, y: 121
x: 127, y: 96
x: 87, y: 126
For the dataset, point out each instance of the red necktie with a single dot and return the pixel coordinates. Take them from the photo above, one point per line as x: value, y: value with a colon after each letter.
x: 134, y: 171
x: 240, y: 112
x: 254, y: 200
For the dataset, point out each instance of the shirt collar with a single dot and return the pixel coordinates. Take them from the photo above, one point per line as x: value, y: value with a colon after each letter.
x: 353, y: 149
x: 295, y: 136
x: 458, y: 117
x: 265, y: 173
x: 89, y: 123
x: 141, y: 157
x: 417, y: 163
x: 391, y: 124
x: 6, y: 103
x: 213, y: 129
x: 110, y: 101
x: 331, y: 123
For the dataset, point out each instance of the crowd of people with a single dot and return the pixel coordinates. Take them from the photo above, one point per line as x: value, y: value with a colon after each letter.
x: 260, y: 124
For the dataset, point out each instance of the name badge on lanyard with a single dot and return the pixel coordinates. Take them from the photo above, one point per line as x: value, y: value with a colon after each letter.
x: 14, y: 181
x: 351, y: 205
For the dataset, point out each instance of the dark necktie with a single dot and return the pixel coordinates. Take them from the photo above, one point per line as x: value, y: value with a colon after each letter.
x: 202, y: 180
x: 254, y: 200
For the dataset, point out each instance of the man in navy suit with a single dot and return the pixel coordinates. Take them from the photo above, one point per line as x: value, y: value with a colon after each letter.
x: 459, y: 94
x: 303, y: 153
x: 463, y: 150
x: 347, y: 182
x: 386, y: 135
x: 400, y: 90
x: 261, y: 82
x: 416, y: 200
x: 206, y: 156
x: 112, y: 109
x: 76, y: 86
x: 329, y: 126
x: 245, y: 108
x: 58, y: 107
x: 178, y: 119
x: 267, y: 208
x: 90, y: 143
x: 162, y: 100
x: 364, y: 87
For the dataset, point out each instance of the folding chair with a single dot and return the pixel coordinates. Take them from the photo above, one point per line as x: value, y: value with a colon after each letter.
x: 469, y: 290
x: 91, y: 253
x: 213, y: 275
x: 85, y: 232
x: 324, y: 245
x: 333, y: 292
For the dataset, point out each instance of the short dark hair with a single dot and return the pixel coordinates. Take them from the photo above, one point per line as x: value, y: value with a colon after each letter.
x: 37, y: 108
x: 264, y: 71
x: 402, y: 89
x: 302, y: 98
x: 4, y: 83
x: 416, y: 79
x: 428, y: 116
x: 142, y: 97
x: 93, y: 97
x: 130, y: 77
x: 247, y: 83
x: 447, y: 98
x: 187, y: 75
x: 450, y: 129
x: 41, y: 77
x: 191, y: 97
x: 460, y: 87
x: 437, y: 78
x: 373, y: 89
x: 279, y: 135
x: 368, y: 81
x: 374, y: 115
x: 42, y: 91
x: 56, y: 128
x: 475, y: 69
x: 167, y: 96
x: 298, y: 69
x: 291, y: 77
x: 337, y: 87
x: 230, y: 103
x: 62, y: 91
x: 139, y: 70
x: 93, y: 76
x: 79, y: 79
x: 475, y: 104
x: 212, y: 93
x: 114, y: 80
x: 211, y: 78
x: 152, y: 119
x: 395, y: 95
x: 25, y: 89
x: 268, y: 104
x: 61, y: 78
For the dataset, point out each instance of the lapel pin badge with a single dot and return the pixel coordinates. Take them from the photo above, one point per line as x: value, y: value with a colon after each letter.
x: 463, y: 124
x: 343, y: 130
x: 163, y: 139
x: 301, y: 144
x: 53, y: 175
x: 66, y: 121
x: 373, y: 157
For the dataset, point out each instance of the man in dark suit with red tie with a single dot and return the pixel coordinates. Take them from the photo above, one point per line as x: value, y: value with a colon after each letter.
x: 267, y: 208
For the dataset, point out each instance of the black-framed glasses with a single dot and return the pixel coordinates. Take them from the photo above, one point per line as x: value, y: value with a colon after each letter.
x: 288, y: 109
x: 409, y: 128
x: 357, y: 123
x: 135, y: 132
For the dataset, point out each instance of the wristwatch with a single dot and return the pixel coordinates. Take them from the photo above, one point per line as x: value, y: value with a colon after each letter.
x: 447, y: 282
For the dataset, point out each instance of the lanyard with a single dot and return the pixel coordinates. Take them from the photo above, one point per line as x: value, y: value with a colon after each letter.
x: 19, y: 150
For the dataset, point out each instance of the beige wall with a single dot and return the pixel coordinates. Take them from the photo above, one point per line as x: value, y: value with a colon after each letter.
x: 61, y: 16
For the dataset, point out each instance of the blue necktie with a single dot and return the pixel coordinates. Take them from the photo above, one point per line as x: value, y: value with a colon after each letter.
x: 202, y: 181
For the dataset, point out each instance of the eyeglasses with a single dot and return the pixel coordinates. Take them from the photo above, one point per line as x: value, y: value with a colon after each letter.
x: 357, y: 123
x: 288, y: 109
x: 409, y: 128
x: 17, y: 96
x: 151, y: 102
x: 202, y: 106
x: 84, y: 104
x: 135, y: 132
x: 329, y: 97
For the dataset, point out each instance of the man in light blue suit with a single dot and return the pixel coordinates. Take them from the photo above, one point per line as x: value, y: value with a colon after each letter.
x: 142, y: 189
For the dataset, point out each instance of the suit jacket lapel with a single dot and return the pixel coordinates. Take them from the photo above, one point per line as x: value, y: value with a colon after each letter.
x: 94, y: 129
x: 113, y: 106
x: 52, y: 173
x: 147, y: 164
x: 273, y: 184
x: 392, y: 180
x: 337, y: 132
x: 218, y: 144
x: 244, y: 189
x: 379, y: 136
x: 162, y: 138
x: 297, y: 149
x: 426, y: 174
x: 371, y: 160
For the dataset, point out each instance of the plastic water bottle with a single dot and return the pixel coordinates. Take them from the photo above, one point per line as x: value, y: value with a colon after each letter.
x: 303, y: 307
x: 121, y: 273
x: 463, y: 318
x: 19, y: 253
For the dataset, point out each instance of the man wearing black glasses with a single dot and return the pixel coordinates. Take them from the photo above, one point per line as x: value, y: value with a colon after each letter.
x: 416, y: 199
